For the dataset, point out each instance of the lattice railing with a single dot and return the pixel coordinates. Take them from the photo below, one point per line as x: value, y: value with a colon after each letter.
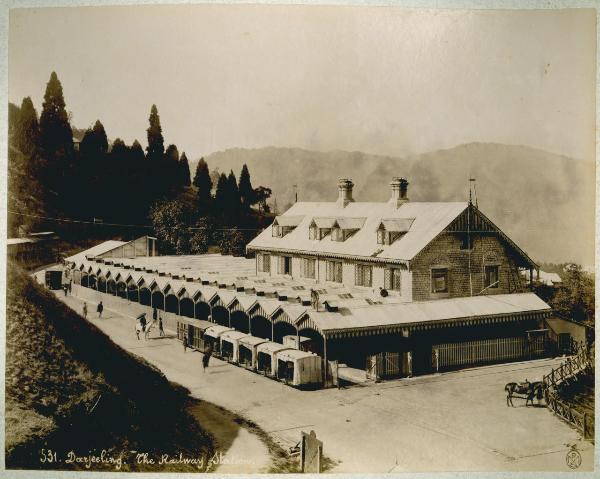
x: 582, y: 421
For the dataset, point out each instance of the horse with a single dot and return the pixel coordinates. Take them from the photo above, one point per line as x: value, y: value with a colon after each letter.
x: 528, y: 389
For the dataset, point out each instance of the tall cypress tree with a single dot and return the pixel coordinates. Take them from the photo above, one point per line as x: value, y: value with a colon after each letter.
x: 96, y: 173
x: 156, y: 143
x: 56, y: 136
x: 171, y: 167
x: 184, y: 168
x: 234, y: 196
x: 204, y: 184
x: 222, y: 203
x: 27, y: 128
x: 56, y: 166
x: 245, y: 188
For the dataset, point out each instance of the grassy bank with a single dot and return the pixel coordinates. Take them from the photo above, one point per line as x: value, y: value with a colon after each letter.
x: 70, y: 388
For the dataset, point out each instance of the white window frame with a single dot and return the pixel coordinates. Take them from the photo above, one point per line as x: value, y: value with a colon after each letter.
x: 447, y: 282
x: 360, y: 275
x: 332, y: 271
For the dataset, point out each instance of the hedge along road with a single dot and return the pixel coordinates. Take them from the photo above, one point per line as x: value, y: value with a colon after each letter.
x: 447, y: 422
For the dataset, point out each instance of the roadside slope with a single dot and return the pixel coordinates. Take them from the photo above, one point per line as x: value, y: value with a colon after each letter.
x: 69, y: 387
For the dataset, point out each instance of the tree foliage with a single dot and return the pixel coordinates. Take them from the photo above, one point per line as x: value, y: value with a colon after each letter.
x: 170, y: 222
x: 27, y: 128
x: 203, y: 182
x: 184, y: 171
x: 232, y: 242
x: 574, y: 299
x: 156, y: 143
x: 245, y: 189
x: 56, y: 136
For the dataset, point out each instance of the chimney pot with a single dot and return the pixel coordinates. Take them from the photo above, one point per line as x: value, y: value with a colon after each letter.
x: 345, y: 186
x: 399, y: 191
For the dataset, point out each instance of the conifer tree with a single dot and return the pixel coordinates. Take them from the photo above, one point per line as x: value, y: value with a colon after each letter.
x: 56, y: 136
x: 233, y: 196
x: 184, y: 169
x: 156, y: 143
x: 137, y: 152
x: 222, y: 196
x: 245, y: 189
x: 27, y: 128
x: 204, y: 184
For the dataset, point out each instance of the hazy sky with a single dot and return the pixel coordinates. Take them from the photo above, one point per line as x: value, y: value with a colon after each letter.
x: 376, y: 79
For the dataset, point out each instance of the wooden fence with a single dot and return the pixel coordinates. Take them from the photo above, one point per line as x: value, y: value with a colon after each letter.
x: 582, y: 421
x: 486, y: 351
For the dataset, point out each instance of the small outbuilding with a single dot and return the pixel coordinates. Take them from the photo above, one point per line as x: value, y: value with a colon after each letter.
x: 229, y: 345
x: 299, y: 368
x: 247, y: 354
x: 266, y: 357
x: 212, y: 336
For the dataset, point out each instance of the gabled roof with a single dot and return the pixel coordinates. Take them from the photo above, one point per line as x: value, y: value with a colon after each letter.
x: 350, y: 223
x: 427, y: 220
x: 288, y: 220
x: 324, y: 222
x: 397, y: 225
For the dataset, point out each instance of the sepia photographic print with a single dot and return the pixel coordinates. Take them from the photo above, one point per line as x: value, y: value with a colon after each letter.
x: 286, y: 238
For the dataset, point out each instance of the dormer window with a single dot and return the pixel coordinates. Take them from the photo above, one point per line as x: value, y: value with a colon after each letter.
x: 337, y: 234
x: 344, y: 228
x: 285, y: 224
x: 393, y: 229
x: 317, y: 233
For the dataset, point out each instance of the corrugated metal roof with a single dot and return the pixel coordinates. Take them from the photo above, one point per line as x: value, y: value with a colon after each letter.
x: 430, y: 219
x: 95, y: 250
x: 428, y: 311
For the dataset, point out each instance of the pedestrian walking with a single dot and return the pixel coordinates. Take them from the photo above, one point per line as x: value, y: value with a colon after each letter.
x: 85, y: 310
x: 206, y: 357
x: 185, y: 342
x: 140, y: 324
x: 161, y: 329
x: 100, y: 308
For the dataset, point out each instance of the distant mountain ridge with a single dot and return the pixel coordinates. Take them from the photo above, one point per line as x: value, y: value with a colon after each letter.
x: 543, y: 201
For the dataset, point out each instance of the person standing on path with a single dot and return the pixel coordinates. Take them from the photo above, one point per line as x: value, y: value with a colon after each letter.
x: 65, y: 288
x: 70, y: 286
x: 185, y: 342
x: 85, y: 310
x: 100, y: 308
x: 161, y: 329
x: 206, y: 357
x: 154, y: 314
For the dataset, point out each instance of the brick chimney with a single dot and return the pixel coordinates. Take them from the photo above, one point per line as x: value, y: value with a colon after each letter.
x: 399, y: 191
x: 344, y: 192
